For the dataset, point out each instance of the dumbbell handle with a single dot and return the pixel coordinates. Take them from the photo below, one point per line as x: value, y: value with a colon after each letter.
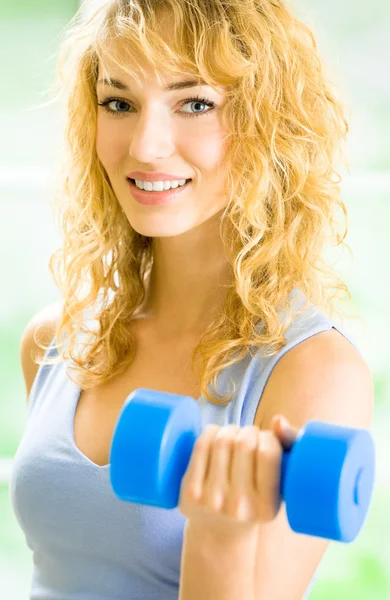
x: 326, y: 476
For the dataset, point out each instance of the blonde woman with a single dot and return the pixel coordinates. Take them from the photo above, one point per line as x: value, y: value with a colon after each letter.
x: 197, y: 198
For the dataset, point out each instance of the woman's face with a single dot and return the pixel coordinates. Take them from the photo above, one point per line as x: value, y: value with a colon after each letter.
x: 154, y: 130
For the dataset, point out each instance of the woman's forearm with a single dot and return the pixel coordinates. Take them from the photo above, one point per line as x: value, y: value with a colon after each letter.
x: 217, y: 567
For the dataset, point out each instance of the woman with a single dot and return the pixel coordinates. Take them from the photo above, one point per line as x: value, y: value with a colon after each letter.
x: 222, y: 282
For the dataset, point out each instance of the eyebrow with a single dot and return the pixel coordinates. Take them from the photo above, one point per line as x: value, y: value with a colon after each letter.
x: 179, y: 85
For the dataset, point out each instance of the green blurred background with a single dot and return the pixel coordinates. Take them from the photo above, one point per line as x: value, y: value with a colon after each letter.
x: 354, y: 39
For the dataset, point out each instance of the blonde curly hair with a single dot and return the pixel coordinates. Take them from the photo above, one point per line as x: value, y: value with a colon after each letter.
x: 285, y: 125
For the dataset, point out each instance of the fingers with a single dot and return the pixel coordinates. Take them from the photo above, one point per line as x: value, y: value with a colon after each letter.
x: 236, y: 472
x: 198, y: 468
x: 241, y: 502
x: 283, y: 429
x: 219, y: 467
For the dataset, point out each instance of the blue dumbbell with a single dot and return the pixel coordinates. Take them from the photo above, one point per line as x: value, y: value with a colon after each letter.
x: 327, y: 476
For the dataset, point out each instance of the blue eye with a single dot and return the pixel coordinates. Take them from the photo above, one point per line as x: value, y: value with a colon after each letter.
x: 196, y: 99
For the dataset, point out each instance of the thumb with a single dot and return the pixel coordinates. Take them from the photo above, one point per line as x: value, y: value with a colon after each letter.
x: 284, y: 431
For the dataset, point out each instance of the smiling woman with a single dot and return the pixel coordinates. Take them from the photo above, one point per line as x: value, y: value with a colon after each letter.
x: 144, y: 130
x: 217, y: 289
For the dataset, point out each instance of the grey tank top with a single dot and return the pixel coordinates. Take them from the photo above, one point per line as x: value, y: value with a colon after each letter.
x: 87, y: 544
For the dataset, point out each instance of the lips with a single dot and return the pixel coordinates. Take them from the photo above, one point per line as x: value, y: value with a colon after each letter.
x: 152, y: 198
x: 133, y: 181
x: 155, y: 176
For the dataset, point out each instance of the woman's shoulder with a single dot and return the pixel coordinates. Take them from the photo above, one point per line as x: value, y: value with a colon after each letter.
x: 46, y: 319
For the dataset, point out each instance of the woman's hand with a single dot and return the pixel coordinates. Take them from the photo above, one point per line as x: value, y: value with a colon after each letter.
x: 233, y: 479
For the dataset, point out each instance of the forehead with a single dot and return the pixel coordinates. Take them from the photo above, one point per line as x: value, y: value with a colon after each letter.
x: 133, y: 76
x: 128, y: 80
x: 120, y: 64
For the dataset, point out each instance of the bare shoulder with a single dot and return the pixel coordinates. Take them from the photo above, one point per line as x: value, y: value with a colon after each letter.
x: 325, y: 378
x: 46, y: 319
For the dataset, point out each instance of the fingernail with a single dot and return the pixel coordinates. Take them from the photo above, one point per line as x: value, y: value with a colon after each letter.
x: 284, y: 423
x: 288, y: 430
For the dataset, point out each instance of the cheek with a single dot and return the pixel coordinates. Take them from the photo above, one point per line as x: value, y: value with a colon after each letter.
x: 109, y: 147
x: 206, y: 151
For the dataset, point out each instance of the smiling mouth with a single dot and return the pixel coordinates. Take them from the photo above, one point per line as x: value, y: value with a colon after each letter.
x: 156, y: 192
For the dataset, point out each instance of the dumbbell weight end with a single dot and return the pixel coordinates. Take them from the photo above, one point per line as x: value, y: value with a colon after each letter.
x: 327, y: 480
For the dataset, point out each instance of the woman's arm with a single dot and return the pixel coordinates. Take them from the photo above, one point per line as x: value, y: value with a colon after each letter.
x: 322, y: 378
x: 217, y: 567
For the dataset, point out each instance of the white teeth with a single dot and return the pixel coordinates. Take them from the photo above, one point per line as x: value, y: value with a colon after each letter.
x: 158, y: 186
